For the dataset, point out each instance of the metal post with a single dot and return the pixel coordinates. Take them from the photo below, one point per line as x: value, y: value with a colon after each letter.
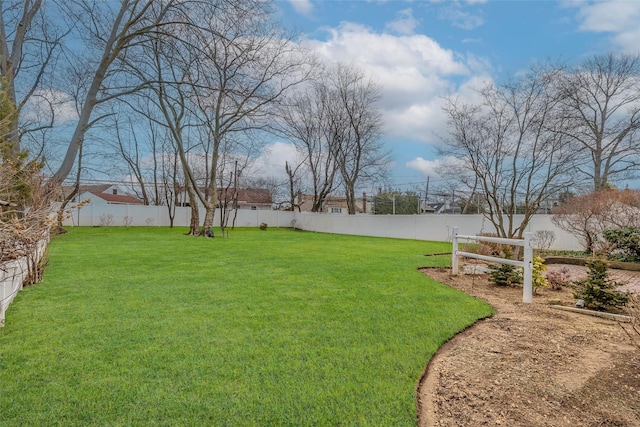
x: 454, y: 252
x: 527, y: 292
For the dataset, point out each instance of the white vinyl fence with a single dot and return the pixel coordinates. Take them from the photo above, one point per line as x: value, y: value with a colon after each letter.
x: 423, y: 227
x: 95, y: 215
x: 420, y: 227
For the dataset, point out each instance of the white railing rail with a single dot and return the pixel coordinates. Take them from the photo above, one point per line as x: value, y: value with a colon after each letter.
x: 526, y: 264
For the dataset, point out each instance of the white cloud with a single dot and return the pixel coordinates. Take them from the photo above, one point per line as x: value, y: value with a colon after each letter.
x: 303, y: 7
x: 620, y: 18
x: 404, y: 23
x: 271, y: 161
x: 425, y: 167
x: 47, y: 103
x: 414, y: 71
x: 431, y: 168
x: 460, y: 18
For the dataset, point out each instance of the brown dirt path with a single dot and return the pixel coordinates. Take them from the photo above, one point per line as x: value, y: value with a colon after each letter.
x: 531, y: 365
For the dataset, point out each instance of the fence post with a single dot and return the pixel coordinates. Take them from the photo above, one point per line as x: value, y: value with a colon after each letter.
x: 454, y: 252
x: 527, y: 295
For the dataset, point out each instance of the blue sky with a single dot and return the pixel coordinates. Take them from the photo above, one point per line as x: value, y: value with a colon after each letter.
x: 420, y: 50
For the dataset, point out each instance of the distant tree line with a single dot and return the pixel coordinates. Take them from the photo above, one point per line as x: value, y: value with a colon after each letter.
x: 528, y: 140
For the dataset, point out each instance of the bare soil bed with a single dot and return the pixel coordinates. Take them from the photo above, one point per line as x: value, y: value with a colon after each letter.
x: 531, y: 365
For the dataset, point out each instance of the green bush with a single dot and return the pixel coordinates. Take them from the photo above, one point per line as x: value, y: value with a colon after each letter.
x: 624, y: 243
x: 598, y: 291
x: 505, y: 274
x: 537, y: 277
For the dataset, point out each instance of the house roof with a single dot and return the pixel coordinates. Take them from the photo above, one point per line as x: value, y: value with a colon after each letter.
x: 255, y: 195
x: 118, y: 198
x: 442, y: 208
x: 97, y: 188
x: 258, y: 196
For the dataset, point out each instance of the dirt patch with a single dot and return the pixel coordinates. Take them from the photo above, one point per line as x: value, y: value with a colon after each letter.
x: 531, y: 365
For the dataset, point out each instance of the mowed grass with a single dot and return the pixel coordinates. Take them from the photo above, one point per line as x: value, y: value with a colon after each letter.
x: 147, y: 326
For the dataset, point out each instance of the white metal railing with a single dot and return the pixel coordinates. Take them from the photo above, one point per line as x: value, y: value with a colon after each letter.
x: 526, y: 264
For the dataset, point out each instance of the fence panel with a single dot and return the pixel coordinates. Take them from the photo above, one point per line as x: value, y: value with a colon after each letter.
x: 526, y: 264
x: 421, y: 227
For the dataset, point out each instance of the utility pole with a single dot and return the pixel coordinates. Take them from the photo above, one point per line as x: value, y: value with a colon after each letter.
x: 426, y: 196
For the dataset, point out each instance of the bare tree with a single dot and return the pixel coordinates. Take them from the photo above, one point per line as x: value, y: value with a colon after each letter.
x: 304, y: 121
x: 220, y: 77
x: 240, y: 78
x: 601, y: 111
x: 169, y: 176
x: 110, y: 32
x: 510, y: 149
x: 335, y: 126
x: 172, y: 103
x: 28, y: 46
x: 588, y: 215
x: 355, y: 125
x: 293, y: 185
x: 130, y: 148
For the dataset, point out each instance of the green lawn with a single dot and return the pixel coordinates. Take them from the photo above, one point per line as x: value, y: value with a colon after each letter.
x: 147, y: 326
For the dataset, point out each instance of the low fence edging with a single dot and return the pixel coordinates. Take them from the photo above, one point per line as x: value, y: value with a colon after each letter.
x: 13, y: 274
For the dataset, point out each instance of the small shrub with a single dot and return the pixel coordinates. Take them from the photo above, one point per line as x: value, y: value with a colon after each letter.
x: 505, y: 274
x: 624, y: 243
x: 263, y: 226
x: 559, y: 279
x: 543, y: 239
x: 127, y: 221
x: 537, y: 277
x: 598, y: 291
x: 149, y: 221
x: 106, y: 220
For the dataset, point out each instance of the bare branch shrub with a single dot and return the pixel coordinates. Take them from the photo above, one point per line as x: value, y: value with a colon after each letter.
x: 64, y: 214
x: 25, y: 215
x: 106, y: 220
x: 127, y: 221
x: 489, y: 248
x: 543, y: 239
x: 587, y: 216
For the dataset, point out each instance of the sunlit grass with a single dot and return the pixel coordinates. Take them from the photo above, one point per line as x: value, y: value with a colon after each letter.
x: 147, y: 326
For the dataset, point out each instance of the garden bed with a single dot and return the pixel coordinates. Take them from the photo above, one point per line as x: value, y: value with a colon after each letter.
x: 531, y: 365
